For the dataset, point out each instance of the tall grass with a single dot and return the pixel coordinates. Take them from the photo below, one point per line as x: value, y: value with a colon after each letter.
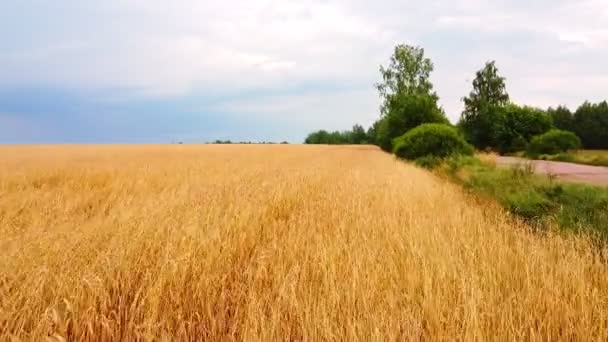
x: 274, y: 243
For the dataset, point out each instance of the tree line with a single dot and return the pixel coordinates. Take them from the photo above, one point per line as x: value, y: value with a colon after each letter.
x: 489, y: 121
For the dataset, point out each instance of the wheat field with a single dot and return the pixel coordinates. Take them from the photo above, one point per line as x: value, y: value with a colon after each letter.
x: 186, y: 242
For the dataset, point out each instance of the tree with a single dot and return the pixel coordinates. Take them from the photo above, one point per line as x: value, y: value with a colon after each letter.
x: 408, y: 99
x: 516, y: 126
x: 358, y: 135
x: 562, y: 118
x: 319, y: 137
x: 591, y: 125
x: 483, y: 105
x: 407, y: 73
x: 406, y: 113
x: 552, y: 142
x: 372, y: 132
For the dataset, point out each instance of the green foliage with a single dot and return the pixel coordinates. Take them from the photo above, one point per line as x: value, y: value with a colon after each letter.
x: 408, y: 73
x: 405, y: 113
x: 431, y: 140
x: 383, y: 135
x: 371, y: 133
x: 325, y: 137
x: 481, y: 128
x: 489, y: 121
x: 591, y: 125
x: 517, y: 125
x: 537, y: 199
x: 356, y: 136
x: 408, y: 99
x: 562, y: 118
x: 482, y: 110
x: 552, y: 142
x: 505, y: 129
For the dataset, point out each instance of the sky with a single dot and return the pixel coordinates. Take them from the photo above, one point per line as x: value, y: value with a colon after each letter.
x: 155, y: 71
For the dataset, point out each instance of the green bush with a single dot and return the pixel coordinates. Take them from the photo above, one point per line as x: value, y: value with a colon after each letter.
x: 553, y: 142
x: 431, y: 140
x: 407, y: 111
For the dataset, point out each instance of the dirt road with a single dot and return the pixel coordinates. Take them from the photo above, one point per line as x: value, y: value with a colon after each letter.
x: 597, y: 175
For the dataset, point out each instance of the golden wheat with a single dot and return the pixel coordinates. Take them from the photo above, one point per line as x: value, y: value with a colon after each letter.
x: 274, y: 243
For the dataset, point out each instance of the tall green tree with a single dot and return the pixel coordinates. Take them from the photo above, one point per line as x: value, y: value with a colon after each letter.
x: 407, y: 73
x: 591, y: 125
x: 483, y: 106
x: 407, y: 95
x: 562, y: 118
x: 358, y: 135
x: 371, y: 133
x: 517, y: 125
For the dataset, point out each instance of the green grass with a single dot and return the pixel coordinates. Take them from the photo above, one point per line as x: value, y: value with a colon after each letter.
x: 588, y: 157
x: 537, y: 199
x: 592, y: 157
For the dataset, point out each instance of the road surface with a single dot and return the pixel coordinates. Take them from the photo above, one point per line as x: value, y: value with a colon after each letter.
x: 597, y: 175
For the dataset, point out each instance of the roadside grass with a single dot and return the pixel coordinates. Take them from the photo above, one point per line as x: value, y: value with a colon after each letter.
x: 587, y: 157
x: 539, y: 200
x: 591, y: 157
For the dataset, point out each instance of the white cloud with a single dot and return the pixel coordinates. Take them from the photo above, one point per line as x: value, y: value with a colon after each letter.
x: 172, y: 48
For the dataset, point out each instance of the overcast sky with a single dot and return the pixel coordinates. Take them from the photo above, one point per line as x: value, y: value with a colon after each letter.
x: 161, y: 71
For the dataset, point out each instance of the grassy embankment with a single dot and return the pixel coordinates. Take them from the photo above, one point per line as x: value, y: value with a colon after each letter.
x: 540, y: 200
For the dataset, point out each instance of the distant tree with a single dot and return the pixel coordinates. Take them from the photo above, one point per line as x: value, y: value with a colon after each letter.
x: 338, y: 138
x: 318, y: 137
x: 407, y: 95
x: 358, y: 135
x: 482, y: 108
x: 552, y: 142
x: 562, y: 118
x: 517, y: 125
x: 371, y: 133
x: 329, y: 138
x: 591, y: 125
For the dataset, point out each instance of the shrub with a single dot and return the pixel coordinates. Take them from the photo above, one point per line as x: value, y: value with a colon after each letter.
x: 407, y: 111
x: 431, y: 140
x: 553, y: 142
x: 428, y: 162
